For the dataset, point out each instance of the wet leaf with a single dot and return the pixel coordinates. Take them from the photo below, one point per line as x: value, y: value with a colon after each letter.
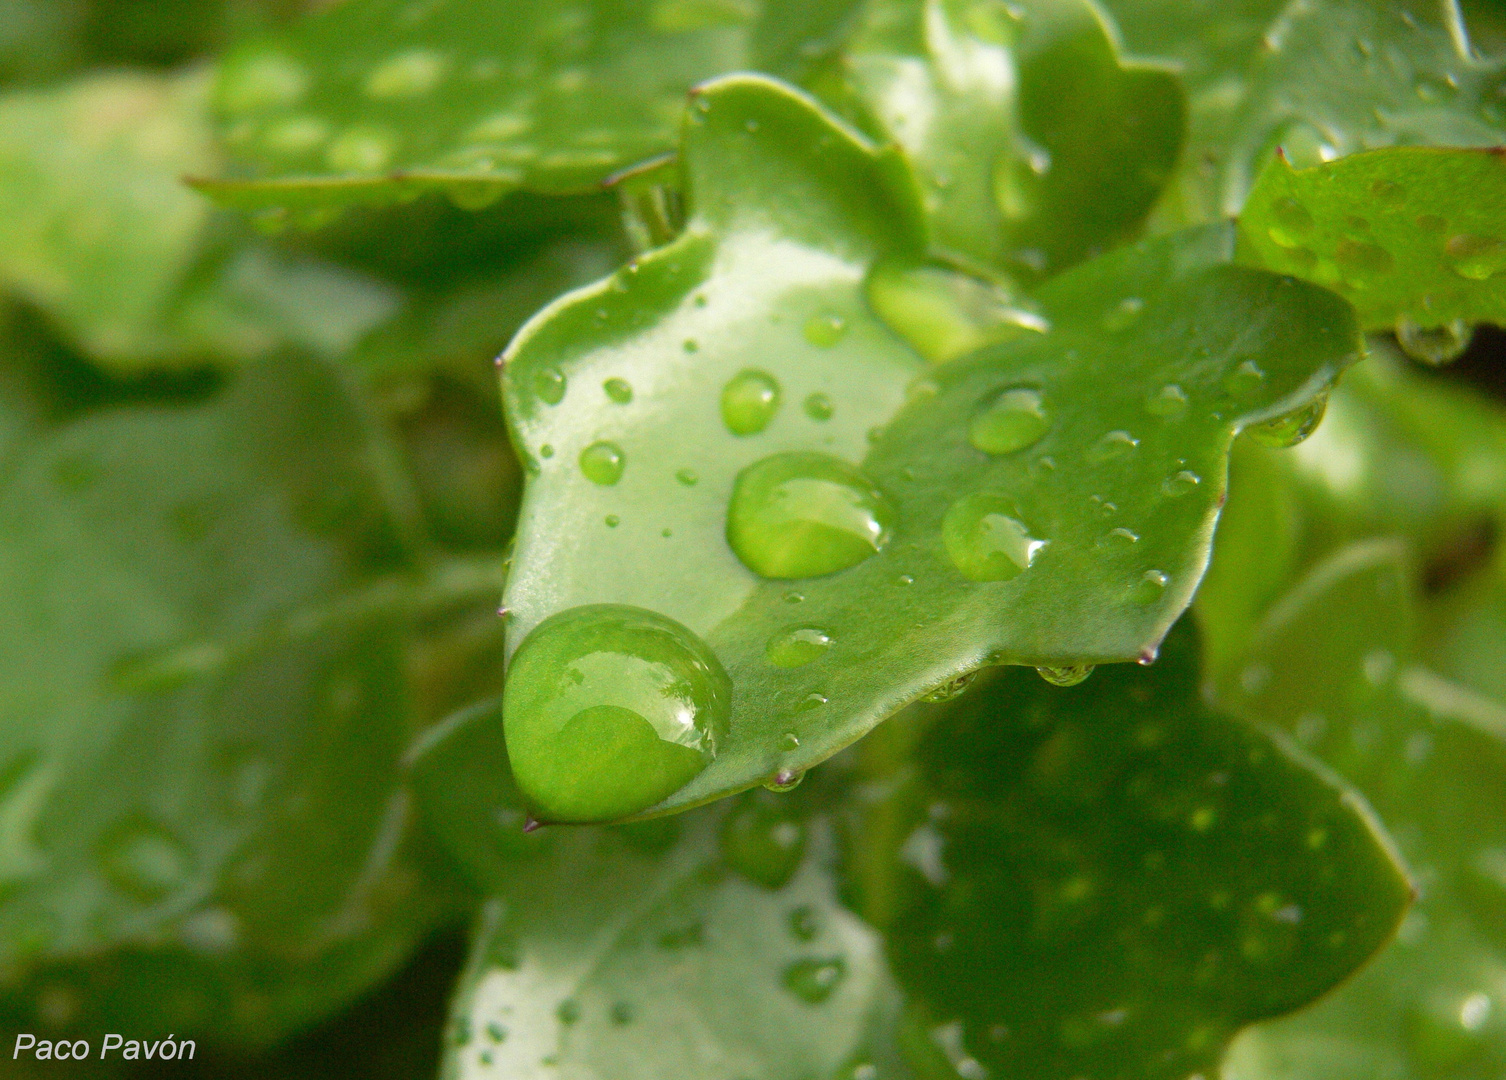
x: 1036, y: 144
x: 1333, y: 664
x: 1409, y: 235
x: 1111, y: 880
x: 604, y: 959
x: 378, y: 99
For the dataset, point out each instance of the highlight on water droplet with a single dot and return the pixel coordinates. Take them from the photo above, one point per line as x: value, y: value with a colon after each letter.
x: 1150, y: 588
x: 1119, y: 538
x: 1476, y: 258
x: 1116, y: 444
x: 789, y: 741
x: 602, y: 463
x: 985, y: 541
x: 1291, y: 222
x: 825, y: 330
x: 819, y: 407
x: 1181, y: 483
x: 1170, y: 400
x: 786, y: 779
x: 1245, y: 379
x: 1070, y: 675
x: 804, y: 514
x: 619, y: 390
x: 813, y: 980
x: 549, y: 385
x: 797, y: 647
x: 608, y: 709
x: 749, y: 401
x: 1009, y: 420
x: 1434, y: 345
x: 145, y: 860
x: 1292, y: 428
x: 950, y: 689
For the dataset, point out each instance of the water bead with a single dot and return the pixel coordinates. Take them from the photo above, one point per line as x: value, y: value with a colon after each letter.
x: 1070, y: 675
x: 1476, y: 258
x: 819, y: 407
x: 797, y: 647
x: 1011, y: 420
x: 1291, y: 222
x: 1294, y: 427
x: 549, y: 385
x: 618, y: 390
x: 1116, y: 444
x: 609, y: 709
x: 813, y: 981
x: 602, y: 463
x: 749, y: 401
x: 985, y: 541
x: 1169, y: 401
x: 1434, y: 345
x: 804, y: 514
x: 824, y: 331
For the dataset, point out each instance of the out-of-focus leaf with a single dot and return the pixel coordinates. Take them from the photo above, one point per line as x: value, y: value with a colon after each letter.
x: 203, y: 706
x: 1111, y: 880
x: 1409, y: 235
x: 38, y: 38
x: 378, y: 99
x: 606, y: 961
x: 1210, y: 40
x: 1332, y: 663
x: 1035, y: 143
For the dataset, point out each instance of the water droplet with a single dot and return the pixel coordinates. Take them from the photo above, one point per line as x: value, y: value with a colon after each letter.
x: 602, y: 463
x: 549, y: 385
x: 812, y: 980
x: 1245, y: 380
x: 261, y: 80
x: 804, y: 923
x: 610, y: 708
x: 1434, y: 345
x: 811, y: 702
x: 1183, y: 483
x: 950, y: 689
x: 406, y: 75
x: 1292, y: 428
x: 1170, y: 400
x: 546, y: 451
x: 788, y: 779
x: 1362, y: 262
x: 1009, y: 421
x: 1388, y: 192
x: 763, y: 840
x: 622, y: 1013
x: 794, y: 598
x: 985, y: 541
x: 818, y: 407
x: 145, y: 860
x: 1290, y: 224
x: 1149, y: 589
x: 568, y: 1011
x: 687, y: 477
x: 1124, y: 314
x: 1477, y: 258
x: 666, y: 533
x: 361, y: 149
x: 1065, y: 676
x: 1116, y: 444
x: 618, y: 390
x: 795, y: 648
x: 804, y: 514
x: 612, y: 521
x: 824, y: 331
x: 749, y: 401
x: 1119, y: 538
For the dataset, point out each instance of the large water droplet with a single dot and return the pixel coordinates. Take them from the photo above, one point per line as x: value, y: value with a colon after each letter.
x: 812, y: 980
x: 1476, y: 258
x: 825, y: 331
x: 619, y: 390
x: 602, y: 463
x: 146, y: 861
x: 1010, y: 420
x: 985, y: 541
x: 1295, y: 426
x: 1065, y: 676
x: 549, y: 385
x: 749, y: 401
x: 950, y: 689
x: 608, y: 709
x: 787, y: 779
x: 819, y: 407
x: 1434, y: 345
x: 1290, y: 224
x: 797, y: 647
x: 804, y: 514
x: 763, y: 840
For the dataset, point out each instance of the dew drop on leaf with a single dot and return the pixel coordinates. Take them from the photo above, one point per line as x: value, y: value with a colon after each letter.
x: 1476, y: 258
x: 1245, y: 380
x: 787, y: 779
x: 549, y: 385
x: 813, y: 980
x: 797, y: 647
x: 985, y: 541
x: 1291, y: 222
x: 1362, y: 262
x: 763, y: 841
x: 618, y: 390
x: 824, y: 331
x: 1433, y: 345
x: 1116, y: 444
x: 805, y: 514
x: 609, y: 709
x: 1065, y: 676
x: 749, y: 401
x: 951, y: 688
x: 819, y: 407
x: 789, y: 741
x: 1009, y: 421
x: 1149, y: 588
x: 1170, y: 400
x: 1294, y: 427
x: 602, y: 463
x: 803, y: 923
x: 407, y: 75
x: 687, y: 477
x: 1183, y: 483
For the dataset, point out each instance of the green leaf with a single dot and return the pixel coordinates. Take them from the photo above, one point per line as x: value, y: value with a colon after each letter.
x: 1210, y: 40
x: 1333, y: 663
x: 608, y: 960
x: 1111, y: 880
x: 204, y: 708
x: 1035, y: 143
x: 1409, y: 235
x: 376, y: 100
x: 754, y: 317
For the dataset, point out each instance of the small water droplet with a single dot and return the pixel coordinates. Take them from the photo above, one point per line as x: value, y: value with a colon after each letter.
x: 985, y: 541
x: 1476, y: 258
x: 549, y: 385
x: 812, y: 701
x: 824, y: 331
x: 602, y: 463
x: 1116, y: 444
x: 819, y: 407
x: 407, y: 75
x: 1291, y: 222
x: 1124, y: 314
x: 622, y: 1013
x: 805, y: 514
x: 1065, y: 676
x: 1362, y: 262
x: 1434, y: 345
x: 1149, y: 589
x: 789, y: 741
x: 612, y: 521
x: 950, y: 689
x: 1388, y: 192
x: 1119, y: 538
x: 146, y: 861
x: 1170, y: 400
x: 794, y: 598
x: 1245, y: 380
x: 750, y: 126
x: 787, y: 779
x: 546, y: 451
x: 1010, y: 420
x: 618, y: 390
x: 813, y: 980
x: 568, y: 1011
x: 749, y: 401
x: 804, y: 924
x: 691, y: 345
x: 1292, y: 428
x: 905, y: 579
x: 1183, y: 483
x: 797, y: 647
x: 687, y: 477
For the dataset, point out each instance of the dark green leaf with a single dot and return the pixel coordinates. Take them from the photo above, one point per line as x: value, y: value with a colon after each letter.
x: 1111, y: 880
x: 1332, y: 663
x: 378, y: 99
